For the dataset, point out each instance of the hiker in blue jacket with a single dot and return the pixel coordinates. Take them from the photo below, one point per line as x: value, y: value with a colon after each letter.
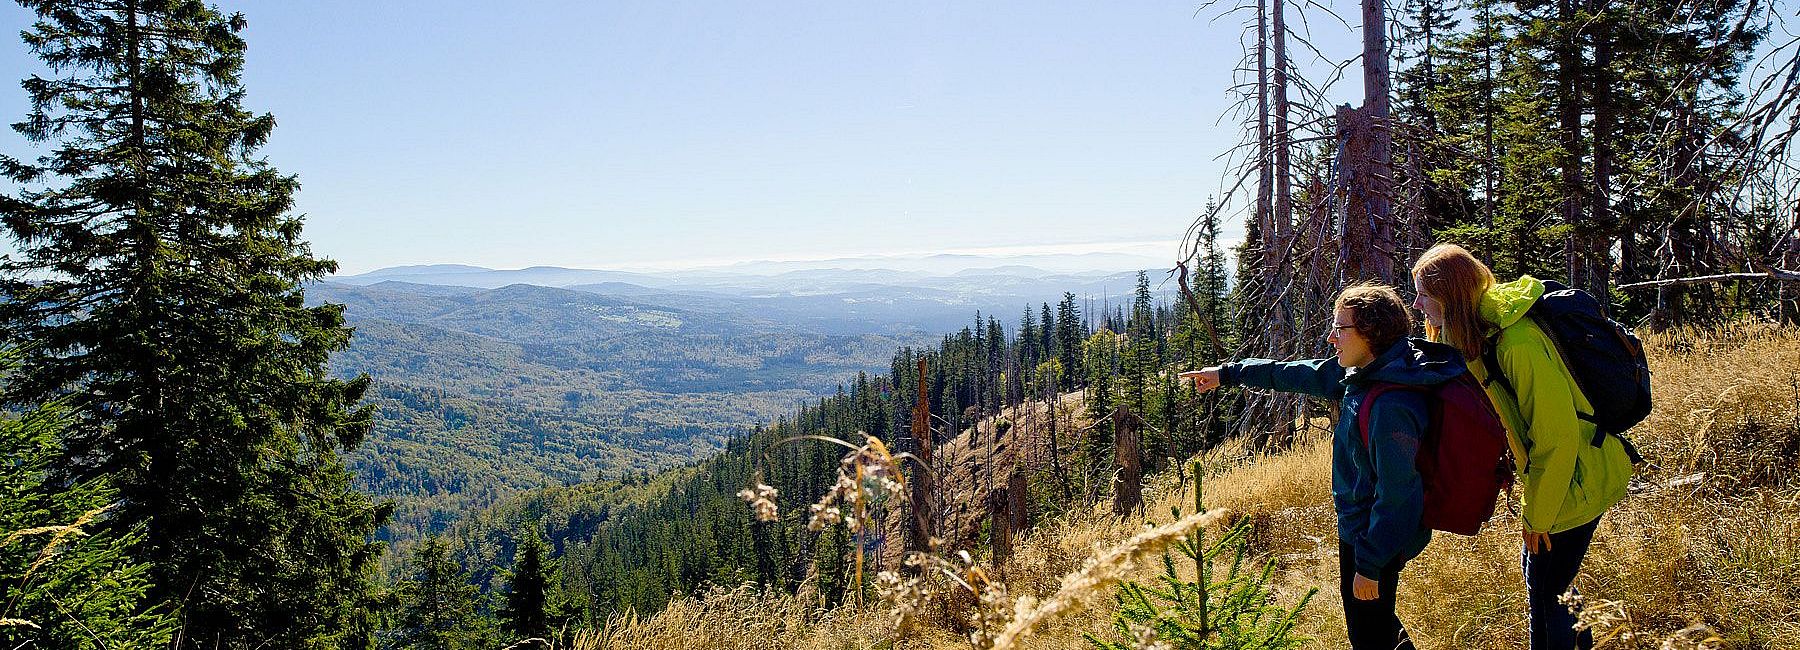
x: 1376, y: 487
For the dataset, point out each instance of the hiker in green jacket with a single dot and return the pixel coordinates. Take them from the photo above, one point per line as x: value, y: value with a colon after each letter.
x: 1568, y: 482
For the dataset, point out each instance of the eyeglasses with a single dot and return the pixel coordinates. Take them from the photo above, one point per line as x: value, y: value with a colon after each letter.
x: 1335, y: 328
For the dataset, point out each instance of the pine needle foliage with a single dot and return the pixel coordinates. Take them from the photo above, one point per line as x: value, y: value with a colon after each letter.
x: 438, y: 605
x: 1211, y: 611
x: 525, y: 612
x: 65, y: 580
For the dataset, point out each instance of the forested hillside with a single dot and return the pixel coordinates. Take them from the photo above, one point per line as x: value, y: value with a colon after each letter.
x: 483, y: 393
x: 1700, y: 556
x: 690, y: 529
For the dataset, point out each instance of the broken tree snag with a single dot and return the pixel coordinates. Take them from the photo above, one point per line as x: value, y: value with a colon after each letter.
x: 921, y: 487
x: 1365, y: 162
x: 1019, y: 506
x: 1377, y: 171
x: 1128, y: 488
x: 1000, y: 525
x: 1367, y: 229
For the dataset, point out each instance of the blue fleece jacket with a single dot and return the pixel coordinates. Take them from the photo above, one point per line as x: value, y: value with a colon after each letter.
x: 1376, y: 487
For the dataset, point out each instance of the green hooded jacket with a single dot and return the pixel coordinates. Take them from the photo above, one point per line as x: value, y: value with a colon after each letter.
x: 1567, y: 481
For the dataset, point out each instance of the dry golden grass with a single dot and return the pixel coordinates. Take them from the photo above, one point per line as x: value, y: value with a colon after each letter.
x: 1710, y: 535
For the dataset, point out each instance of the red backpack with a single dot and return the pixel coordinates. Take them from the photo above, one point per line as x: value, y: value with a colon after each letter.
x: 1463, y: 457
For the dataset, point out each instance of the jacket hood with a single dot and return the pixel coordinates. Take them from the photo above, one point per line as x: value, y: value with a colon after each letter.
x: 1506, y: 303
x: 1412, y: 361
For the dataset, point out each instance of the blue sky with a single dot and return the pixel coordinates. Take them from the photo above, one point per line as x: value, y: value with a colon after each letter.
x: 659, y: 134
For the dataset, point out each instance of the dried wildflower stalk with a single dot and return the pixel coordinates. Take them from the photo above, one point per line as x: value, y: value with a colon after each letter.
x: 1698, y: 636
x: 1097, y: 575
x: 906, y: 596
x: 762, y: 501
x: 868, y: 474
x: 1609, y: 622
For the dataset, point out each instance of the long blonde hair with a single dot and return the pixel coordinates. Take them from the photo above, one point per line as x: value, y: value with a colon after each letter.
x: 1457, y: 281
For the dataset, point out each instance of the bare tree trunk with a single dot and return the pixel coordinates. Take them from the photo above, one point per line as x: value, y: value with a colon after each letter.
x: 1598, y: 253
x: 1568, y: 74
x: 1062, y: 477
x: 1490, y: 166
x: 1355, y: 231
x: 1379, y: 174
x: 1000, y: 521
x: 1280, y: 307
x: 1284, y: 199
x: 1020, y: 506
x: 1128, y: 487
x: 1264, y: 175
x: 922, y: 488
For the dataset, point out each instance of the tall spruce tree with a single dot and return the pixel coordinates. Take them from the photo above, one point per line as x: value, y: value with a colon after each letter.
x: 438, y: 604
x: 525, y: 614
x: 156, y: 286
x: 1141, y: 359
x: 1100, y: 359
x: 1070, y: 334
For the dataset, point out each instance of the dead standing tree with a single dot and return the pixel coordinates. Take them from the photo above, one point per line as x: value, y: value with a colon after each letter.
x: 1264, y: 300
x: 1128, y: 486
x: 1732, y: 170
x: 922, y: 488
x: 1365, y: 145
x: 1277, y: 263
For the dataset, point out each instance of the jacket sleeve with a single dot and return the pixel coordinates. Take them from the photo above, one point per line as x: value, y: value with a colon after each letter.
x: 1552, y: 429
x: 1396, y: 424
x: 1315, y: 377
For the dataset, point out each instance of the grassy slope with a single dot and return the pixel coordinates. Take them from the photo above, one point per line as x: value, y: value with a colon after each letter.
x: 1711, y: 534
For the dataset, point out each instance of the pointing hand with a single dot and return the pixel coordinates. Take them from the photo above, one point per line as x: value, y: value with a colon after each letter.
x: 1204, y: 380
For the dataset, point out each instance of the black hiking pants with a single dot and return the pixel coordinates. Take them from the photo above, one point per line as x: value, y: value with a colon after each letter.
x: 1550, y: 574
x: 1371, y: 623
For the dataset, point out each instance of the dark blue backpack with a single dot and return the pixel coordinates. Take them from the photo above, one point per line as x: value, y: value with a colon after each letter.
x: 1605, y: 358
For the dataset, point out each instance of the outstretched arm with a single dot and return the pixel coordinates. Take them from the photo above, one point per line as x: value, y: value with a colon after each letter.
x: 1316, y: 377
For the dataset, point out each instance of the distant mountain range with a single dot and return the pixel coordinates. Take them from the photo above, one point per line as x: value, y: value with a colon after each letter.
x: 880, y: 268
x: 843, y: 298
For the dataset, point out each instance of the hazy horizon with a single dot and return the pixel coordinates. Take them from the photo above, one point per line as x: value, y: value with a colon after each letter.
x: 1061, y: 257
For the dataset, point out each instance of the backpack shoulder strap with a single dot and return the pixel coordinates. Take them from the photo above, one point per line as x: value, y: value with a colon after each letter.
x: 1368, y: 404
x: 1490, y: 359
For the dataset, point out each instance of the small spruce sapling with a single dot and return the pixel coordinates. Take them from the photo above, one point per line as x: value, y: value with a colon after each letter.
x: 1230, y: 611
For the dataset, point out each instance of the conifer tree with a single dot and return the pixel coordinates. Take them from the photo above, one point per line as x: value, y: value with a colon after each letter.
x: 1140, y: 359
x: 157, y: 283
x: 1069, y: 336
x: 526, y: 613
x: 1101, y: 360
x: 1029, y: 352
x: 438, y: 603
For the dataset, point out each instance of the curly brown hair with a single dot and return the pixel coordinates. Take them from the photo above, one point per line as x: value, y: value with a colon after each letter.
x: 1381, y: 316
